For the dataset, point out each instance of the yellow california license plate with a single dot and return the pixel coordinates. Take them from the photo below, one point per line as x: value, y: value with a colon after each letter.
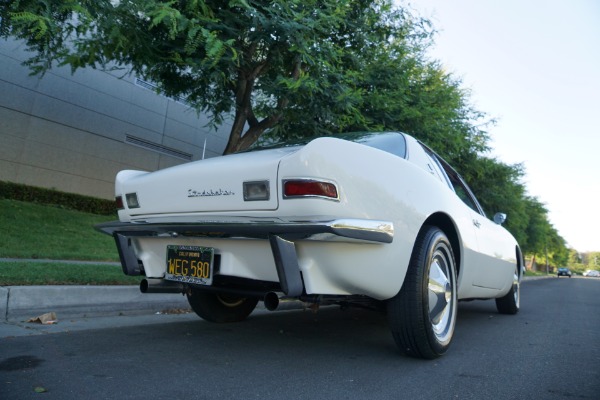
x: 190, y: 264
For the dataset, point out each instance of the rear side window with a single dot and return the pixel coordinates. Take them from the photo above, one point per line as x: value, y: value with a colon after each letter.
x: 454, y: 180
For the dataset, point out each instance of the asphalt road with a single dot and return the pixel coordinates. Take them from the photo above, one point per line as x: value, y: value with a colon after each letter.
x: 550, y: 350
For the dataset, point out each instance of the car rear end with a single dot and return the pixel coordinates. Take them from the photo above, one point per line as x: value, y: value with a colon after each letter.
x: 564, y: 272
x: 301, y: 220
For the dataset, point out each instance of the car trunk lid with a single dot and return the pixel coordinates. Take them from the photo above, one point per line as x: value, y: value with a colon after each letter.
x: 206, y: 186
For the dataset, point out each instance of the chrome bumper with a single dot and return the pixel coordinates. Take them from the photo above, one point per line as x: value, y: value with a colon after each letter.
x: 280, y: 234
x: 337, y: 229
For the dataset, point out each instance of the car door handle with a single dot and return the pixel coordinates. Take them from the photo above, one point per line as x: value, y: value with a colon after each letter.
x: 476, y: 223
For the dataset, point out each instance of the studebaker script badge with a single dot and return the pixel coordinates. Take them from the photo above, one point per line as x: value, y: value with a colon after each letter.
x: 209, y: 193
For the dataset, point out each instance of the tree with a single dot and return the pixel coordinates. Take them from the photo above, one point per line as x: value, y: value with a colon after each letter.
x: 268, y: 64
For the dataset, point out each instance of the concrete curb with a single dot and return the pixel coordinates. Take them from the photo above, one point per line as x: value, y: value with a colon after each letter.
x: 24, y: 302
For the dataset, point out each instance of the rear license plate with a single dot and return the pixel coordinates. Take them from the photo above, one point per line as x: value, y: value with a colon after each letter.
x: 190, y: 264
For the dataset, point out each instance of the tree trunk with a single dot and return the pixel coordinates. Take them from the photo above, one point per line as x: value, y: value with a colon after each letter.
x: 244, y: 114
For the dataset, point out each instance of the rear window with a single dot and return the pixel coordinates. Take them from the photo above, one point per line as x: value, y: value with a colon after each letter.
x: 391, y: 142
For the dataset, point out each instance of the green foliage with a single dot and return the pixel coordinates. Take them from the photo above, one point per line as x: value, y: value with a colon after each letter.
x: 15, y: 191
x: 589, y: 260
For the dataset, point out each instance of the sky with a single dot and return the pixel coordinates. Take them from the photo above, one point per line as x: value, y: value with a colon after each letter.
x: 534, y: 66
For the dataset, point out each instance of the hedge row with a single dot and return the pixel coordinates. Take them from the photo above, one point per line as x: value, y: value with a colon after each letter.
x: 15, y: 191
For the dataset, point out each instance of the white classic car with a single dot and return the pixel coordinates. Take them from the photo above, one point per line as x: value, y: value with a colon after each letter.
x: 592, y: 273
x: 371, y: 219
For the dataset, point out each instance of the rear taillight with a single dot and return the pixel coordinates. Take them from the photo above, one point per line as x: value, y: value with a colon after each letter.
x: 294, y: 188
x: 119, y: 202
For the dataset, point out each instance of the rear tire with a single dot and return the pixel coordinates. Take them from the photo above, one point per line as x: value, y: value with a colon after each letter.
x: 422, y: 316
x: 511, y: 303
x: 220, y: 308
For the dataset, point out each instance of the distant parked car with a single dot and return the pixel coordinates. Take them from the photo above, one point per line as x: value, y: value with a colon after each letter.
x: 592, y: 273
x: 564, y: 272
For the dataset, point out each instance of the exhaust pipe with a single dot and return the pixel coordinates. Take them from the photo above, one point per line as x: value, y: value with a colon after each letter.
x: 153, y: 285
x: 278, y: 302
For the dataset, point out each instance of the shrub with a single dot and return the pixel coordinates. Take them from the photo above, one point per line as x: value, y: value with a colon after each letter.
x: 72, y: 201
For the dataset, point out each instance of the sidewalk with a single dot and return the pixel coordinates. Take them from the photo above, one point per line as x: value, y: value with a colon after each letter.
x: 19, y: 303
x: 68, y: 301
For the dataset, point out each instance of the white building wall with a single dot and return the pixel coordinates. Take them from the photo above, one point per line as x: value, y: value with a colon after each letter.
x: 75, y: 132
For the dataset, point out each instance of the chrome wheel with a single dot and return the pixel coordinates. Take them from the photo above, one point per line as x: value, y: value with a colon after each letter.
x: 517, y: 288
x: 442, y: 303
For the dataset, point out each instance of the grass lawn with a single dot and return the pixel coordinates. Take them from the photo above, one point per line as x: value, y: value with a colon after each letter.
x: 29, y: 230
x: 20, y: 273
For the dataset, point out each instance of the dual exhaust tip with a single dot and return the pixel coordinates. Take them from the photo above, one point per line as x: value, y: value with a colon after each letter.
x: 278, y: 302
x: 273, y: 301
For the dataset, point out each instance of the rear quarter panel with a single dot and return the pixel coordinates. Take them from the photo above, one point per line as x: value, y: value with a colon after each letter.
x: 372, y: 184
